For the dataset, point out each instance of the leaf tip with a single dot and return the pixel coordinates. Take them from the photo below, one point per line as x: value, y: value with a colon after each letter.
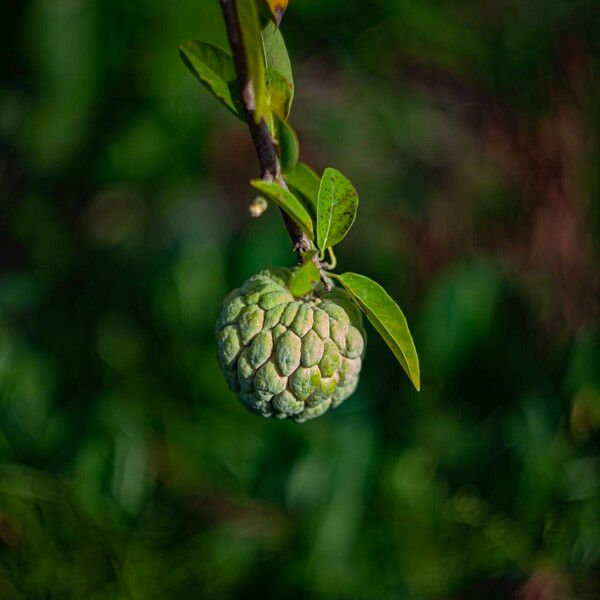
x: 416, y: 376
x: 186, y: 46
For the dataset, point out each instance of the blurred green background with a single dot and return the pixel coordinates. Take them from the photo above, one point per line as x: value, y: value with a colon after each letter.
x: 128, y: 470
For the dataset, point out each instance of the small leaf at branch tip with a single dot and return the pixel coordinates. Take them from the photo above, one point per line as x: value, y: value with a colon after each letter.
x: 258, y: 206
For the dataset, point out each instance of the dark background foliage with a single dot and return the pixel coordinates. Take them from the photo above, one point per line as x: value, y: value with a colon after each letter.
x: 128, y: 470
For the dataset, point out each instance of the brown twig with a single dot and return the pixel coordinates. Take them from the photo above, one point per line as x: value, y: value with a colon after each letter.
x: 263, y: 142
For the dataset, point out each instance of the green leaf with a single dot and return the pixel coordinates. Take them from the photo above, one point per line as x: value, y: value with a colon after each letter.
x: 276, y: 54
x: 288, y: 203
x: 256, y: 97
x: 336, y: 208
x: 289, y: 149
x: 279, y: 94
x: 303, y: 281
x: 305, y: 183
x: 214, y: 69
x: 387, y: 318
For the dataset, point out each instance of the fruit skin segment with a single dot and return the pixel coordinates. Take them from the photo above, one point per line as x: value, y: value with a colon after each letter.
x: 286, y: 357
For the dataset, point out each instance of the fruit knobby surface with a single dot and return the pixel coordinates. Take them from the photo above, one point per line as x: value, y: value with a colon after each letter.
x: 286, y: 357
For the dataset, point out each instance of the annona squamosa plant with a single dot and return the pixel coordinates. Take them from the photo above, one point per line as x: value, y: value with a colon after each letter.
x: 287, y: 357
x: 290, y: 344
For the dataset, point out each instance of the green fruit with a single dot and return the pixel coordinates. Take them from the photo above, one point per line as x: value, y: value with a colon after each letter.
x: 287, y: 357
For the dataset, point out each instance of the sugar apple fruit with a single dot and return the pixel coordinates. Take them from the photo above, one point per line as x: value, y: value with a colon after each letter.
x: 289, y: 358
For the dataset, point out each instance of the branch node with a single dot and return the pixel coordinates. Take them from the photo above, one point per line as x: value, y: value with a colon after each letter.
x: 326, y: 283
x: 248, y: 96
